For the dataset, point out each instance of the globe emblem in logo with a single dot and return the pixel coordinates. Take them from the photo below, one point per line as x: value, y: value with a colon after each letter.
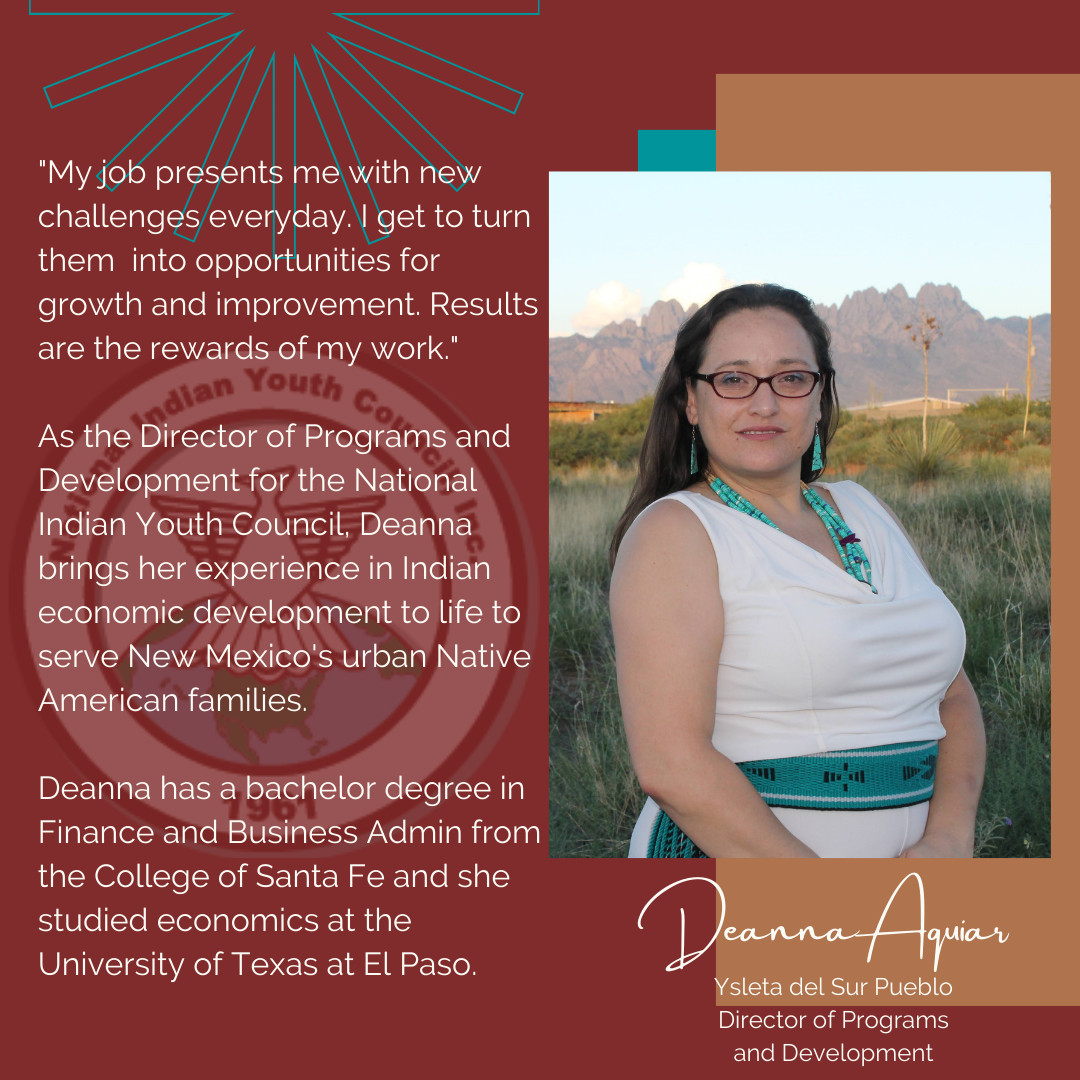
x: 279, y: 570
x: 318, y: 641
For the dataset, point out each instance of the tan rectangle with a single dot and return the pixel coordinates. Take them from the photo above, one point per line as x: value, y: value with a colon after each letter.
x: 923, y: 123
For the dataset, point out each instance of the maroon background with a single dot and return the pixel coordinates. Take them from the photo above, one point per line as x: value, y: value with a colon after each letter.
x: 565, y: 980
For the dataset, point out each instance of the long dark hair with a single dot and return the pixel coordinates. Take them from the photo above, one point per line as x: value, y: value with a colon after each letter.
x: 664, y: 464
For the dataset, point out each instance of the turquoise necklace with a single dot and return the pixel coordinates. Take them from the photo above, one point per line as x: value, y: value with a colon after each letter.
x: 847, y: 543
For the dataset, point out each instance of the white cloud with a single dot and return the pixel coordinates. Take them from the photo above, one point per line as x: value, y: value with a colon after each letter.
x: 612, y: 302
x: 699, y: 282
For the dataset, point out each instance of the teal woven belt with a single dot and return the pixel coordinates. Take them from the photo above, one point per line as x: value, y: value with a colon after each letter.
x: 874, y: 778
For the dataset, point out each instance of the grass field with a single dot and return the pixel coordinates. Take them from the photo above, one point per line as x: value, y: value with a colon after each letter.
x: 985, y: 536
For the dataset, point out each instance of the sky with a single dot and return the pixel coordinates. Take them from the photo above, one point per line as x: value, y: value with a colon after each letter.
x: 621, y: 241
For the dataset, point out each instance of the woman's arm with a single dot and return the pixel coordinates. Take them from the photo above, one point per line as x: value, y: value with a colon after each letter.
x: 950, y: 828
x: 668, y: 622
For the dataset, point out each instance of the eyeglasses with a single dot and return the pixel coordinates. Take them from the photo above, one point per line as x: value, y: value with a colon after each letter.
x: 741, y: 384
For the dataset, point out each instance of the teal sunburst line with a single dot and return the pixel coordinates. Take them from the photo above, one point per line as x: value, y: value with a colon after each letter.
x: 134, y: 74
x: 442, y: 60
x: 224, y: 116
x: 454, y: 76
x: 382, y: 116
x: 333, y: 152
x: 171, y: 101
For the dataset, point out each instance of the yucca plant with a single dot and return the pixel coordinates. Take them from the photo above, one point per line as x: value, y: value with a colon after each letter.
x: 939, y: 457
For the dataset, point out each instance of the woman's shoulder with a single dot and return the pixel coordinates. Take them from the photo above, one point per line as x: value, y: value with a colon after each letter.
x: 670, y: 524
x: 664, y: 559
x: 668, y: 517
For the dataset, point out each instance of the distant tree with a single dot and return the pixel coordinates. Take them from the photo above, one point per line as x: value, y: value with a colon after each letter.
x: 925, y: 334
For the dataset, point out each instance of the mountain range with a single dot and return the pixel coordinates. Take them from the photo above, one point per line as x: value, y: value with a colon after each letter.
x: 872, y: 352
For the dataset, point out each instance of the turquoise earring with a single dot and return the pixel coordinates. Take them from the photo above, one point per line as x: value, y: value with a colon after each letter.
x: 817, y: 463
x: 693, y: 450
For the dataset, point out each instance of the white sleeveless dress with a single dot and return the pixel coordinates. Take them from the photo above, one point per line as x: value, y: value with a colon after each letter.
x: 814, y: 661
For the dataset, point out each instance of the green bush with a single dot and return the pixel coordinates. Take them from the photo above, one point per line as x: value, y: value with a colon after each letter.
x: 857, y: 441
x: 989, y: 423
x: 612, y: 437
x: 1037, y: 457
x: 989, y: 426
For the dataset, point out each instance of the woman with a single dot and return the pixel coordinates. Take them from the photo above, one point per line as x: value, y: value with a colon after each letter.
x: 790, y: 677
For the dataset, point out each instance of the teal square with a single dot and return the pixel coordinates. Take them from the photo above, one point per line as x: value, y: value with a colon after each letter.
x: 676, y: 151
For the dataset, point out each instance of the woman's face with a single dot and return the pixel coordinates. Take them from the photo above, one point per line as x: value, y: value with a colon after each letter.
x: 764, y: 435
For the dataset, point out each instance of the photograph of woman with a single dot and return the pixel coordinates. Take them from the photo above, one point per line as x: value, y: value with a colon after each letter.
x: 790, y: 676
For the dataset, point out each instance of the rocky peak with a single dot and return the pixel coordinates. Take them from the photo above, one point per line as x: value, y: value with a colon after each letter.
x: 625, y: 329
x: 664, y: 318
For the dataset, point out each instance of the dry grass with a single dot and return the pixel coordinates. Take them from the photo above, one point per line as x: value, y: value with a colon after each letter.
x: 985, y: 537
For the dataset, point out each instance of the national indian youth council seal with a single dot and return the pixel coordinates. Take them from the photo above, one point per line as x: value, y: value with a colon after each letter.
x: 202, y: 605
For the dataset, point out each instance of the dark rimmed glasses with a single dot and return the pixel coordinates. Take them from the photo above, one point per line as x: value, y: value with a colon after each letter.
x: 741, y: 384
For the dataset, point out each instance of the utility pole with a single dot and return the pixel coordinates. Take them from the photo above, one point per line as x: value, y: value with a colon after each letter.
x: 1031, y: 353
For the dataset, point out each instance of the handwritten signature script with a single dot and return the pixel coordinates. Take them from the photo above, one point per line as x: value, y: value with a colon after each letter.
x: 937, y: 935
